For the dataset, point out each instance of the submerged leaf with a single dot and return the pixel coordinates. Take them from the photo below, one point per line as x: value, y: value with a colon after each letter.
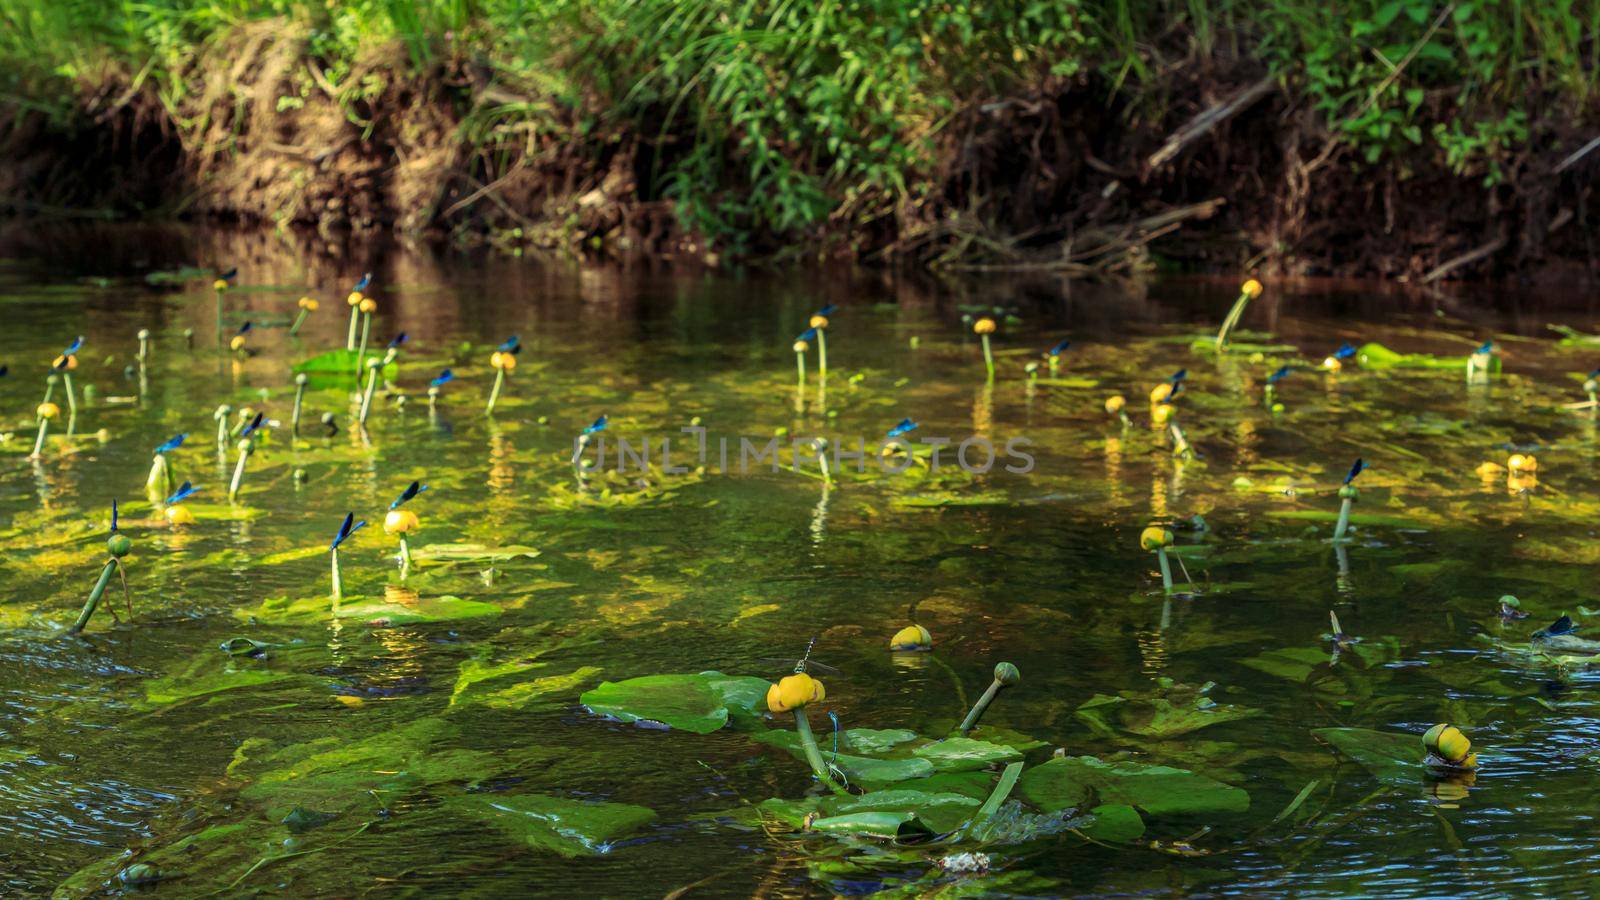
x: 555, y: 824
x: 1068, y: 782
x: 699, y: 703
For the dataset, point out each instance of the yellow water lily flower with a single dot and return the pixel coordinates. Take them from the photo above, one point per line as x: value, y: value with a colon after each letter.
x: 400, y: 521
x: 794, y: 692
x: 178, y: 515
x: 65, y: 362
x: 354, y: 299
x: 307, y: 304
x: 221, y: 284
x: 984, y: 325
x: 1115, y: 403
x: 911, y: 637
x: 503, y: 360
x: 369, y: 305
x: 1449, y: 745
x: 1155, y: 537
x: 1161, y: 414
x: 1332, y: 365
x: 819, y: 322
x: 1521, y: 464
x: 237, y: 343
x: 48, y: 411
x: 1251, y: 289
x: 801, y: 346
x: 1161, y: 392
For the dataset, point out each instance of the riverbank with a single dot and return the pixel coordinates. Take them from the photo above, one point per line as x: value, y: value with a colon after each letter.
x: 1411, y: 141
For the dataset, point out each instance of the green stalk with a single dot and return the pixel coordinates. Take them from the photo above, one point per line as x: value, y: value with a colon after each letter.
x: 144, y: 344
x: 38, y: 443
x: 822, y: 354
x: 1232, y: 319
x: 160, y: 480
x: 94, y: 597
x: 405, y: 557
x: 238, y: 470
x: 1166, y: 569
x: 338, y: 582
x: 1267, y: 394
x: 299, y: 396
x: 366, y: 395
x: 72, y: 400
x: 221, y: 415
x: 298, y: 321
x: 49, y: 389
x: 1055, y: 361
x: 350, y: 339
x: 1344, y: 518
x: 494, y: 394
x: 971, y: 721
x: 800, y: 372
x: 808, y: 742
x: 366, y: 330
x: 219, y: 317
x: 988, y: 356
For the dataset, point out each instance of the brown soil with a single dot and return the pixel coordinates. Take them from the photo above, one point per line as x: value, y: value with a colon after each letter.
x: 1053, y: 180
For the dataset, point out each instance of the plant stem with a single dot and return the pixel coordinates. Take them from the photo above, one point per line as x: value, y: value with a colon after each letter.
x: 144, y: 348
x: 1166, y: 569
x: 494, y: 393
x: 366, y: 328
x: 49, y: 391
x: 822, y: 354
x: 988, y: 356
x: 219, y: 317
x: 298, y: 321
x: 294, y: 418
x: 405, y: 557
x: 94, y: 597
x: 72, y: 400
x: 350, y: 339
x: 338, y: 582
x: 1344, y: 519
x: 366, y: 396
x: 160, y: 480
x: 808, y: 743
x: 1231, y: 320
x: 38, y: 443
x: 238, y: 475
x: 222, y: 432
x: 971, y: 721
x: 800, y: 372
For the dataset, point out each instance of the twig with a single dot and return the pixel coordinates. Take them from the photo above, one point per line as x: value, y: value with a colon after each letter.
x: 1202, y: 124
x: 1471, y: 256
x: 1580, y: 153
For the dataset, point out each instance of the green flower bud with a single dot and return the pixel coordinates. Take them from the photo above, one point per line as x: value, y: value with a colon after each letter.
x: 1007, y: 674
x: 119, y: 544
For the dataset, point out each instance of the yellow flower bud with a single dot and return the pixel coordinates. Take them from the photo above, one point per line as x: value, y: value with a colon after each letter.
x: 984, y: 325
x: 911, y: 637
x: 1332, y: 365
x: 65, y: 362
x: 221, y: 284
x: 48, y: 410
x: 502, y: 360
x: 354, y: 299
x: 801, y: 346
x: 1114, y: 404
x: 1160, y: 392
x: 237, y: 343
x: 400, y: 521
x: 1521, y: 464
x: 1449, y: 744
x: 1162, y: 414
x: 179, y: 515
x: 819, y: 322
x: 794, y: 692
x: 308, y: 304
x: 1251, y: 289
x: 1155, y: 537
x: 369, y: 305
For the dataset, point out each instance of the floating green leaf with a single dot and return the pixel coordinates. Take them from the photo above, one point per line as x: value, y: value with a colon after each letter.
x: 556, y: 824
x: 1068, y: 782
x: 699, y: 703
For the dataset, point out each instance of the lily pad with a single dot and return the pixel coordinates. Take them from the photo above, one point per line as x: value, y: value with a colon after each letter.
x: 959, y: 754
x: 1390, y: 757
x: 471, y: 553
x: 700, y: 703
x: 923, y: 811
x: 555, y: 824
x: 1069, y: 782
x: 377, y: 613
